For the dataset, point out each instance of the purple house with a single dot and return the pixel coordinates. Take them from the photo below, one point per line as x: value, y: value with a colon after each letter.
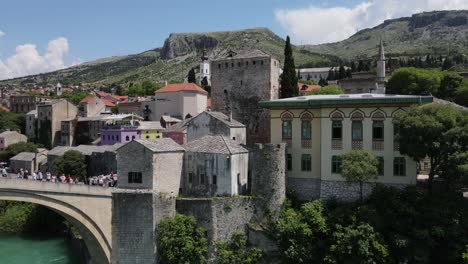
x: 120, y: 129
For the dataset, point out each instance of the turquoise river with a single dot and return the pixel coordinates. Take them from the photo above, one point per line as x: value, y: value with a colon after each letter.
x: 28, y: 249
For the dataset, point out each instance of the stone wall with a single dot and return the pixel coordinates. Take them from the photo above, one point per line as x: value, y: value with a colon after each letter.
x: 344, y: 191
x: 268, y: 174
x: 102, y: 163
x: 135, y: 215
x: 304, y: 188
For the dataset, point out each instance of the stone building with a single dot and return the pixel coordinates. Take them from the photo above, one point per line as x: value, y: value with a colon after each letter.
x: 31, y: 120
x: 50, y: 116
x: 317, y: 129
x: 88, y: 129
x: 205, y: 73
x: 11, y: 137
x: 150, y: 129
x: 215, y: 123
x: 23, y: 104
x: 215, y: 166
x: 151, y: 164
x: 91, y: 106
x: 67, y: 132
x: 238, y: 82
x: 29, y: 161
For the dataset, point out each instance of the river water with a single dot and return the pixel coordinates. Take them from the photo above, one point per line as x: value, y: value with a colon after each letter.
x: 28, y: 249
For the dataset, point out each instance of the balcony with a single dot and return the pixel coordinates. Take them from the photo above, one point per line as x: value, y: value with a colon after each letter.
x: 306, y: 143
x: 337, y: 144
x: 356, y: 144
x: 378, y: 145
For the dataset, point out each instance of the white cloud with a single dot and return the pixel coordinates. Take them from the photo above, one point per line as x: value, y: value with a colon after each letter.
x: 2, y: 34
x: 319, y: 24
x: 27, y: 59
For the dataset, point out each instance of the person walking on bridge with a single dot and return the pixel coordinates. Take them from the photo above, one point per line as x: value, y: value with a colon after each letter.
x: 4, y: 172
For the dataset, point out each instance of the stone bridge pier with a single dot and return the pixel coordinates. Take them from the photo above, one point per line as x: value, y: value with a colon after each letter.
x: 88, y: 208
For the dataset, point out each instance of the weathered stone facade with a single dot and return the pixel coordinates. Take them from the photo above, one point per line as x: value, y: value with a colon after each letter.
x: 239, y: 82
x: 344, y: 191
x: 304, y: 188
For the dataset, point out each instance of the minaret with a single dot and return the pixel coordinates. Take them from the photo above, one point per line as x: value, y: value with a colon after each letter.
x: 381, y: 63
x: 58, y: 89
x: 205, y: 69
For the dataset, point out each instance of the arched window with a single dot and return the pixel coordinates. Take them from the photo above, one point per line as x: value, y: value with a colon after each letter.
x: 287, y: 125
x: 127, y: 138
x: 306, y: 126
x: 133, y: 137
x: 337, y: 130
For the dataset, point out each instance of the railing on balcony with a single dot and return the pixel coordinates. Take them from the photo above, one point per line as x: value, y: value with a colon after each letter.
x: 288, y: 141
x: 377, y: 145
x: 337, y: 144
x: 396, y: 146
x: 356, y: 144
x: 306, y: 143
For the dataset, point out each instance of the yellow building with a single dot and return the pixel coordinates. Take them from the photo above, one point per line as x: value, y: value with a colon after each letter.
x: 150, y: 130
x: 319, y: 128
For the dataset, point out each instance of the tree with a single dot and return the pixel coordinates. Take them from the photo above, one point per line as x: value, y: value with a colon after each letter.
x: 181, y: 241
x: 447, y: 64
x: 72, y: 163
x: 436, y: 131
x: 237, y: 251
x: 461, y: 94
x: 288, y: 83
x: 322, y: 82
x: 332, y: 89
x: 414, y: 81
x: 356, y: 244
x: 74, y: 97
x: 191, y: 78
x: 17, y: 148
x: 11, y: 121
x: 44, y: 134
x: 341, y: 73
x: 448, y: 85
x: 359, y: 166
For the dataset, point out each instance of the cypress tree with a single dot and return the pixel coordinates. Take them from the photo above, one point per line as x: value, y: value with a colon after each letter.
x: 191, y: 76
x: 341, y: 73
x: 288, y: 77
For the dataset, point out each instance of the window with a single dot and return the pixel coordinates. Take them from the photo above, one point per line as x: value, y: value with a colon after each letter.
x: 306, y: 129
x: 219, y: 65
x: 356, y: 131
x: 147, y: 137
x: 202, y: 178
x: 215, y: 180
x: 261, y: 62
x: 336, y: 164
x: 246, y: 63
x: 380, y: 166
x: 253, y: 62
x: 289, y: 162
x: 135, y: 177
x: 337, y: 128
x: 133, y: 137
x: 287, y: 129
x: 377, y: 131
x: 228, y: 163
x: 399, y: 166
x: 306, y: 162
x: 113, y: 137
x: 127, y: 138
x: 190, y: 177
x: 232, y: 64
x: 117, y: 138
x: 238, y: 64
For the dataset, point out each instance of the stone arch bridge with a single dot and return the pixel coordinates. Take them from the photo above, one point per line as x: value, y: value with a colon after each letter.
x: 88, y: 208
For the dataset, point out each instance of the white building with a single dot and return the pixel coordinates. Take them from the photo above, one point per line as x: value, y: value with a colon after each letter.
x: 205, y: 73
x: 316, y: 74
x: 179, y: 100
x: 317, y: 129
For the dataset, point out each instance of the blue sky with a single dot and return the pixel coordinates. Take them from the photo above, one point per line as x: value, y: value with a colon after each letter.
x: 95, y: 29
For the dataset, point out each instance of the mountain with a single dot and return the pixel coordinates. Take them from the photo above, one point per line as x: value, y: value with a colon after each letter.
x: 180, y: 52
x: 435, y: 32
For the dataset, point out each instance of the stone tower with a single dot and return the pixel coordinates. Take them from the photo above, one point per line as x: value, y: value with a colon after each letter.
x: 381, y: 63
x: 58, y: 89
x: 239, y: 80
x: 205, y: 73
x: 269, y: 174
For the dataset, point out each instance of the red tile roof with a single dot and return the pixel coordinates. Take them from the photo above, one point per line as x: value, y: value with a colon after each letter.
x: 101, y: 94
x: 107, y: 102
x: 87, y: 99
x: 177, y: 87
x: 305, y: 88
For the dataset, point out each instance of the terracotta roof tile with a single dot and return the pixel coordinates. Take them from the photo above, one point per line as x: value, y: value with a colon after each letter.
x: 107, y: 102
x: 87, y: 99
x: 177, y: 87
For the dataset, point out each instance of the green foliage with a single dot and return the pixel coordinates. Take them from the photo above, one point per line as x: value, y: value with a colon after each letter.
x: 390, y: 226
x: 332, y: 89
x: 237, y: 251
x: 44, y: 137
x: 180, y: 241
x: 359, y: 166
x: 288, y: 83
x: 72, y: 163
x: 115, y: 109
x: 435, y: 131
x: 191, y: 78
x: 309, y: 82
x: 414, y: 81
x: 16, y: 148
x: 11, y: 121
x: 142, y: 89
x: 74, y: 97
x: 322, y: 82
x: 461, y: 94
x: 356, y: 244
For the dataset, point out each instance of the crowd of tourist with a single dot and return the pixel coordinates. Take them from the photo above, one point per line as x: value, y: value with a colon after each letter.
x: 109, y: 180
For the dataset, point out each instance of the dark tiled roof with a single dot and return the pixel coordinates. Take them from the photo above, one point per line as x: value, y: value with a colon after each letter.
x: 215, y: 144
x: 225, y: 119
x: 160, y: 145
